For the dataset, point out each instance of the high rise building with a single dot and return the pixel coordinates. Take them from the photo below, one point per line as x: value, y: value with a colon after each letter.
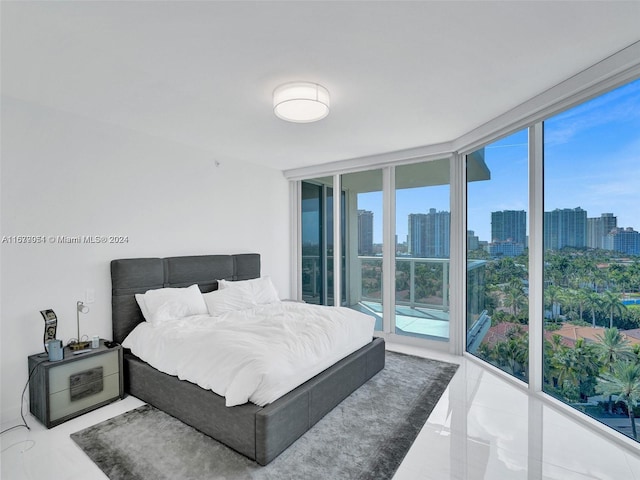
x: 565, y: 227
x: 365, y: 232
x: 473, y: 242
x: 508, y: 233
x: 598, y: 228
x: 509, y: 226
x: 624, y: 240
x: 429, y: 234
x: 417, y: 236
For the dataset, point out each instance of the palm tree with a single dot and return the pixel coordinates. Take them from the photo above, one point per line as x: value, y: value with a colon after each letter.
x: 574, y: 367
x: 514, y: 299
x: 552, y: 295
x: 624, y: 380
x: 587, y: 366
x: 549, y: 350
x: 556, y: 268
x: 634, y: 275
x: 587, y: 270
x: 556, y: 343
x: 553, y: 350
x: 611, y: 349
x: 594, y: 304
x: 519, y: 341
x: 567, y: 299
x: 566, y: 368
x: 582, y: 300
x: 636, y: 354
x: 512, y: 355
x: 611, y: 303
x: 620, y: 276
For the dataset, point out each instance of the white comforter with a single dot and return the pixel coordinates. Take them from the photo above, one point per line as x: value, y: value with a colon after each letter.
x: 254, y: 355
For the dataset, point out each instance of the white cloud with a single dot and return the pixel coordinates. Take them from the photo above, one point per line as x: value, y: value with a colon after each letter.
x: 619, y: 105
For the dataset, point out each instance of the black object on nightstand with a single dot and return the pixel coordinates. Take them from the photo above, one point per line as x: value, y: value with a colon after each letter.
x: 61, y: 390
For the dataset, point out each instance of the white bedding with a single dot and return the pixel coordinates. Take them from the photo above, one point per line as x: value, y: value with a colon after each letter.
x: 254, y: 355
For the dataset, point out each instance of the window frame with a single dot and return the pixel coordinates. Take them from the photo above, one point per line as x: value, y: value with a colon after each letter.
x: 614, y: 71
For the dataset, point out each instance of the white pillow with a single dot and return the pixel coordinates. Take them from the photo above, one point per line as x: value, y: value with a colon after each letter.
x: 166, y: 304
x: 227, y: 300
x: 260, y: 290
x: 143, y: 306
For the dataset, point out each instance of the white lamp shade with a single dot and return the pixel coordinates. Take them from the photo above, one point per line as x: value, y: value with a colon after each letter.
x: 301, y: 102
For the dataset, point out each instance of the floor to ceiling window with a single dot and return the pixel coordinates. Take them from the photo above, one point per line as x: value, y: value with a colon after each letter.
x: 497, y: 256
x: 362, y: 207
x: 317, y: 241
x: 558, y: 307
x: 423, y: 225
x: 313, y: 278
x: 592, y: 257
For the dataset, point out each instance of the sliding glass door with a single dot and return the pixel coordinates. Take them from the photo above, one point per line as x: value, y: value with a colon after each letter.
x: 420, y: 255
x: 313, y: 275
x: 317, y: 241
x: 363, y: 207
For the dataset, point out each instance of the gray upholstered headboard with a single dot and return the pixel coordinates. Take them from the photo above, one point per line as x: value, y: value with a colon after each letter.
x: 137, y: 275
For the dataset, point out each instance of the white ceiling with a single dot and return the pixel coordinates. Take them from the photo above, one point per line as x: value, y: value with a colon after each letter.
x: 400, y: 74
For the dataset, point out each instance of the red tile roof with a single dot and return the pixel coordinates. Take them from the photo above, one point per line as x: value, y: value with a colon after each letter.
x: 569, y: 333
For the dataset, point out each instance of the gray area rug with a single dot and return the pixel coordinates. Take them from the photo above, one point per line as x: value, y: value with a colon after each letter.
x: 365, y: 437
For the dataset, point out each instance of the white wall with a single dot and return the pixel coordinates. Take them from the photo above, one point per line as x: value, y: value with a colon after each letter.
x: 67, y: 175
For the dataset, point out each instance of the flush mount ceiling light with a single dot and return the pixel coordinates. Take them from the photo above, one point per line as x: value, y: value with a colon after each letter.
x: 301, y: 102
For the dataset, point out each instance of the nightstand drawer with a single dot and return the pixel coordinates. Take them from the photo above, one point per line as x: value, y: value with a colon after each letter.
x: 63, y: 403
x: 59, y: 377
x: 63, y: 389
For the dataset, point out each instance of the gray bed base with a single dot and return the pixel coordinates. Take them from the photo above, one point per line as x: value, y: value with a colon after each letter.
x: 260, y: 433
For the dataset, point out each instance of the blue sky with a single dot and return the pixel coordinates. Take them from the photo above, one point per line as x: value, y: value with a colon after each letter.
x: 592, y: 160
x: 592, y: 156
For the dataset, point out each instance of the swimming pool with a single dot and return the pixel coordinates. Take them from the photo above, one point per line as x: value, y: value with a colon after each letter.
x: 631, y: 301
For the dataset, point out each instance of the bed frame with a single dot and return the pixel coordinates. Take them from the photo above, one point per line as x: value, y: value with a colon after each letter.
x: 260, y: 433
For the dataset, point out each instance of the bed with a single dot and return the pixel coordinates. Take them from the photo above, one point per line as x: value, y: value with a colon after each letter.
x: 260, y: 433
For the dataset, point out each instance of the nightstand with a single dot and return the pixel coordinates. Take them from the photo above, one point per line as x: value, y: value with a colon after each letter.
x: 59, y: 391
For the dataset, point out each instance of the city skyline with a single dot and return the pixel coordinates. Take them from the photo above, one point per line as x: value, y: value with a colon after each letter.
x: 584, y: 168
x: 518, y: 238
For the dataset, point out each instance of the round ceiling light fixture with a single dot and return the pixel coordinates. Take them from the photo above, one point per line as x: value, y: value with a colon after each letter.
x: 301, y: 102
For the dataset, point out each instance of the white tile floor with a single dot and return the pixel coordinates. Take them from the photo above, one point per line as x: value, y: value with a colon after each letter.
x: 482, y: 428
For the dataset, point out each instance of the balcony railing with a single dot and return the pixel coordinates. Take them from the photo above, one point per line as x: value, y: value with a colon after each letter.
x: 420, y: 282
x: 421, y: 297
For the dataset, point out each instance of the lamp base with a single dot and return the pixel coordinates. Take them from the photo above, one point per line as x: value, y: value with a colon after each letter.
x: 79, y: 345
